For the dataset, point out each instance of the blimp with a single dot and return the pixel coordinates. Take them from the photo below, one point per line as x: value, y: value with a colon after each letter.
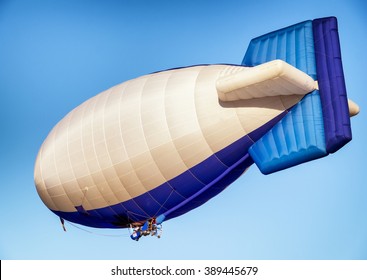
x: 155, y: 147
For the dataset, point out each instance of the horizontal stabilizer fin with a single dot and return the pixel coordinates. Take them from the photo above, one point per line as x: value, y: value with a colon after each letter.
x: 273, y: 78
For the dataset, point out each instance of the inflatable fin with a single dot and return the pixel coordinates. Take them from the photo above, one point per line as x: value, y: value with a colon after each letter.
x: 333, y: 91
x: 312, y: 128
x: 268, y: 79
x: 297, y: 138
x: 293, y: 44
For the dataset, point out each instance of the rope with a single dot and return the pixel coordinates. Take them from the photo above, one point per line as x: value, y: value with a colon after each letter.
x: 99, y: 234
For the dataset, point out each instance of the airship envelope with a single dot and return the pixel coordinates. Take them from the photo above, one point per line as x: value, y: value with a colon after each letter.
x: 155, y: 147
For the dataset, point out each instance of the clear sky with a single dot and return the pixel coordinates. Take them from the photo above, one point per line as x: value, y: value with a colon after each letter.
x: 56, y: 54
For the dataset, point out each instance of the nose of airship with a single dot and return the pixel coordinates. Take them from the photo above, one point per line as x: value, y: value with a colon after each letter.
x: 353, y: 108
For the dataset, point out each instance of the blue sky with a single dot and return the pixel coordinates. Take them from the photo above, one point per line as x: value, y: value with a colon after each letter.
x: 56, y: 54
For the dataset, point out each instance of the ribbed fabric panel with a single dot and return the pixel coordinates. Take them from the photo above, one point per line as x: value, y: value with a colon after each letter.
x: 293, y: 44
x: 297, y: 138
x: 331, y: 83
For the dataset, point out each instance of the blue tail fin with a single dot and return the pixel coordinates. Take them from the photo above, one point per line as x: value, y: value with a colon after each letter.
x: 319, y: 124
